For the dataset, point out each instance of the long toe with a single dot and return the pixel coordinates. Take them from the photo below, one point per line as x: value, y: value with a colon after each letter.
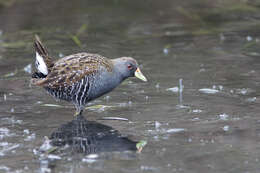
x: 78, y: 113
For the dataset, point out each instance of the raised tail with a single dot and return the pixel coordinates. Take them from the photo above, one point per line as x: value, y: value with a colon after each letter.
x: 43, y: 61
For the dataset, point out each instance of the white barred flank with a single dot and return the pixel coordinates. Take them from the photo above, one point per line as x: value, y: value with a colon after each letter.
x: 77, y: 93
x: 86, y: 88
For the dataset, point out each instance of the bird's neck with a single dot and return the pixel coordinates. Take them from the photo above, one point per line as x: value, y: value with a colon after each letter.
x: 118, y: 70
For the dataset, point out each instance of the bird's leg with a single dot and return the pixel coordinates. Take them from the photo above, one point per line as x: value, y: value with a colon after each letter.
x: 78, y: 111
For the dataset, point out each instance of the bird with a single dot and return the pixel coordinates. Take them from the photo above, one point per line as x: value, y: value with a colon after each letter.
x: 82, y: 77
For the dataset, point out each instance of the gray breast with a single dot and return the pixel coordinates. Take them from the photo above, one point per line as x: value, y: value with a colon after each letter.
x: 103, y: 83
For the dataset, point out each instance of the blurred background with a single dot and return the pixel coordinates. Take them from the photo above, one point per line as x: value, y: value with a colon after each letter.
x: 209, y: 122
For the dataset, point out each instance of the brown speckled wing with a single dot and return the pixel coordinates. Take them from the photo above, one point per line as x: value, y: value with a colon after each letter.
x: 73, y: 68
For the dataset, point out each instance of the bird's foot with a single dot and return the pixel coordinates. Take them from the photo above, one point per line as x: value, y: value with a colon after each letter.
x: 78, y: 113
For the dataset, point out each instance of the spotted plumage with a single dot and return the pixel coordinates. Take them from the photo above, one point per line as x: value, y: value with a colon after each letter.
x: 81, y: 77
x: 73, y: 68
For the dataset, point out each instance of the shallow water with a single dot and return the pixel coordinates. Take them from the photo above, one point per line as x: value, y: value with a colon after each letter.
x: 212, y: 126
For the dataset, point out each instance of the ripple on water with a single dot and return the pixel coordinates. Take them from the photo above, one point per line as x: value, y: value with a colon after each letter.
x: 54, y: 157
x: 251, y: 99
x: 90, y: 158
x: 175, y: 130
x: 30, y: 137
x: 244, y: 91
x: 5, y: 132
x: 10, y: 120
x: 174, y: 89
x: 208, y: 91
x: 223, y: 116
x: 6, y: 147
x: 226, y: 128
x: 4, y: 168
x: 161, y: 131
x: 196, y: 111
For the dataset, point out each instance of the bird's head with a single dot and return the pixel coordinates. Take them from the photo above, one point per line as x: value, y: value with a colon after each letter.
x: 128, y: 67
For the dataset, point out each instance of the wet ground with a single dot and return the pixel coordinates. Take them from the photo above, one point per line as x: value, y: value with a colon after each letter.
x: 199, y: 112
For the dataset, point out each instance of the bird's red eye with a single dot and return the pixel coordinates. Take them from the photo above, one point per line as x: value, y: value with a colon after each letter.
x: 129, y: 66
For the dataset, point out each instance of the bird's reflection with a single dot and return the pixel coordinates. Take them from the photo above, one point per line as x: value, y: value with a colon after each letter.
x: 84, y: 136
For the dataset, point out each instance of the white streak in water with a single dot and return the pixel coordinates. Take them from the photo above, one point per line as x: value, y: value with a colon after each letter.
x: 175, y: 130
x: 174, y: 89
x: 208, y: 91
x: 115, y: 118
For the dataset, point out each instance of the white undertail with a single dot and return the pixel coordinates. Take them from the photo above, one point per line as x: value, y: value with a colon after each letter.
x: 40, y: 64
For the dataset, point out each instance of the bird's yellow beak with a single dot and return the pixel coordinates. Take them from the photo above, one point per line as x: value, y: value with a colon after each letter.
x: 140, y: 75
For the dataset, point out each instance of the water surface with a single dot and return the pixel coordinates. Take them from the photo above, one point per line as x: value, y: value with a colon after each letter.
x: 212, y: 46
